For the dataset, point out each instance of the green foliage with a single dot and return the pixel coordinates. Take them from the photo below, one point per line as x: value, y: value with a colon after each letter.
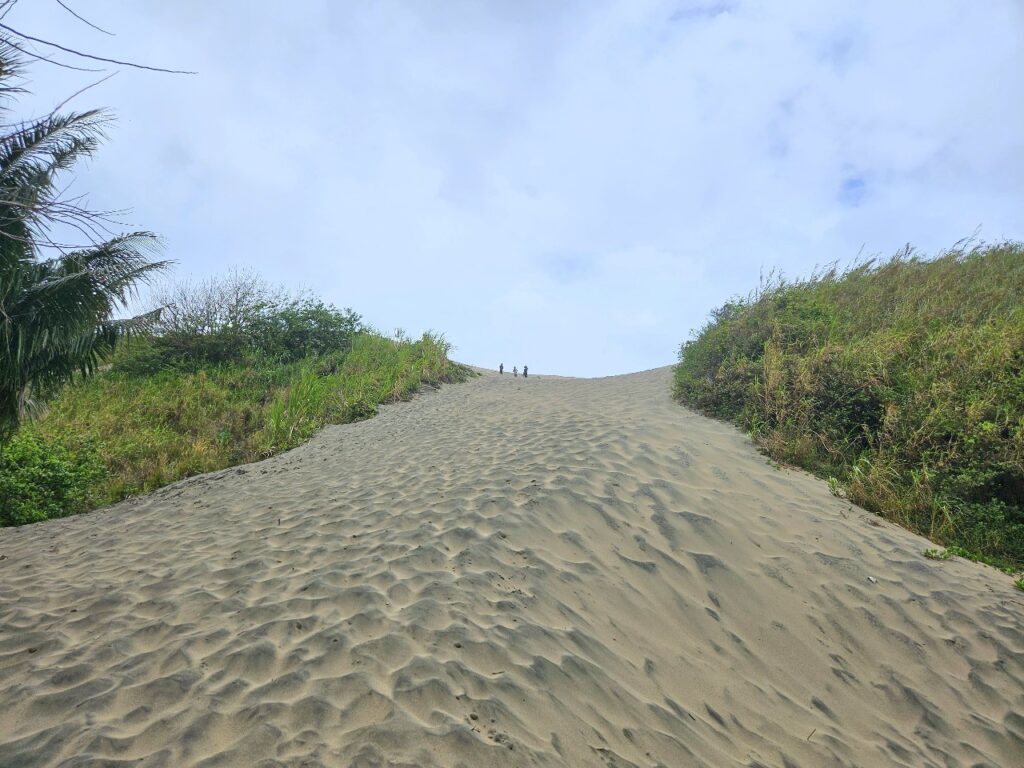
x: 377, y: 370
x: 298, y: 410
x: 976, y: 557
x: 966, y: 554
x: 237, y: 318
x: 56, y: 314
x: 1019, y: 584
x: 150, y: 429
x: 40, y: 478
x: 303, y: 325
x: 902, y: 380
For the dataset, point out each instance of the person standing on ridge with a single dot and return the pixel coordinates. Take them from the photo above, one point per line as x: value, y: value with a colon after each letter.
x: 501, y: 367
x: 525, y: 369
x: 515, y: 371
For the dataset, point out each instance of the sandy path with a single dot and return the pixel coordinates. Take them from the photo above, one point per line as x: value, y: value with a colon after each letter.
x: 551, y: 572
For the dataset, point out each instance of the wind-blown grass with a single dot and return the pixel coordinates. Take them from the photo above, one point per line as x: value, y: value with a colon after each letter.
x: 903, y: 381
x: 148, y: 430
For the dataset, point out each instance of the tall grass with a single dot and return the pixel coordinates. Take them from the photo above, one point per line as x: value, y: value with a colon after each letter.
x: 903, y: 380
x: 234, y: 370
x: 150, y: 429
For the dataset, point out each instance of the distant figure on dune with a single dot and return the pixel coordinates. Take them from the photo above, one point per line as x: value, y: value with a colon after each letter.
x: 501, y: 367
x: 525, y: 369
x: 515, y: 371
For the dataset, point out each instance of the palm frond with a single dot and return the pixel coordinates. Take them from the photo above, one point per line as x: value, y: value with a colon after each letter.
x: 11, y: 70
x: 57, y: 314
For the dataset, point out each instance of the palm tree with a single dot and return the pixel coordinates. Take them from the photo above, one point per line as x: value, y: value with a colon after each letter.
x: 57, y: 302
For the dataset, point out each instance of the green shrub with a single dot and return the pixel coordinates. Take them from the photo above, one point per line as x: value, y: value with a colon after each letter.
x: 139, y: 357
x: 903, y: 380
x: 42, y: 479
x: 236, y: 318
x: 303, y: 326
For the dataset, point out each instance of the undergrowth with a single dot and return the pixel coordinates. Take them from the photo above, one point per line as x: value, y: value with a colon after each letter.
x: 41, y: 478
x: 901, y: 381
x: 235, y: 371
x: 150, y: 430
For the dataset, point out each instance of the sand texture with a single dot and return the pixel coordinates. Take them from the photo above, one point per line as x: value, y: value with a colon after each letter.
x: 550, y: 572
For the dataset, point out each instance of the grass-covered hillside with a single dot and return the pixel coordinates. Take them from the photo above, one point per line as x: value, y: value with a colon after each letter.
x: 901, y: 381
x: 235, y: 372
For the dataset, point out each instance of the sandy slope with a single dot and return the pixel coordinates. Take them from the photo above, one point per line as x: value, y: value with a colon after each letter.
x: 552, y: 572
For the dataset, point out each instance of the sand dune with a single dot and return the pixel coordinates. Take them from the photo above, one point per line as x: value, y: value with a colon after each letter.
x: 550, y: 572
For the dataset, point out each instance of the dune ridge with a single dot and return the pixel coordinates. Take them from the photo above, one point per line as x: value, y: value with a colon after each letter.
x: 549, y: 572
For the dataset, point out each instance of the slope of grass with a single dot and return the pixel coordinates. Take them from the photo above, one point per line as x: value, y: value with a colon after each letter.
x: 146, y: 430
x: 903, y: 381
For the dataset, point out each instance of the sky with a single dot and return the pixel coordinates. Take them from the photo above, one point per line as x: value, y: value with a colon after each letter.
x: 573, y: 186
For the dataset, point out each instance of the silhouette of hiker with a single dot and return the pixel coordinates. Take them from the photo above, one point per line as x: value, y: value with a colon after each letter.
x: 525, y: 369
x: 515, y: 371
x: 501, y: 367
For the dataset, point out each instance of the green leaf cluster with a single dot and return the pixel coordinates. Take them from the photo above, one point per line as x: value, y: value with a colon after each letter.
x: 41, y: 478
x: 236, y: 318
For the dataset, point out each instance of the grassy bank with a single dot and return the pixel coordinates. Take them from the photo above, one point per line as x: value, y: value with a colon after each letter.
x: 120, y: 434
x: 902, y: 382
x: 209, y: 392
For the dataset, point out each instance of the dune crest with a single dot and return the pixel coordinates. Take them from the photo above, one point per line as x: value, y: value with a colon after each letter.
x: 549, y: 572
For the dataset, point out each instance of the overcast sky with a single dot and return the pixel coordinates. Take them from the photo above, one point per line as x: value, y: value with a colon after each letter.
x: 569, y: 185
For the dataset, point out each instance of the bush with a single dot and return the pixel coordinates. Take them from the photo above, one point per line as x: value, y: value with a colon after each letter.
x: 302, y: 326
x: 904, y: 380
x: 41, y: 479
x: 237, y: 318
x: 140, y: 356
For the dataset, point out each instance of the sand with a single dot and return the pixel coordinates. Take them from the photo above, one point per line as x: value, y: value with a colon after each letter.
x: 549, y: 572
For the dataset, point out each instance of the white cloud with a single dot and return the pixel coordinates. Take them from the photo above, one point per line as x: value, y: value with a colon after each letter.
x: 569, y: 185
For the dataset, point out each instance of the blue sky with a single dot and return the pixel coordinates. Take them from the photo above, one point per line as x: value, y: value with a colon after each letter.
x: 571, y: 185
